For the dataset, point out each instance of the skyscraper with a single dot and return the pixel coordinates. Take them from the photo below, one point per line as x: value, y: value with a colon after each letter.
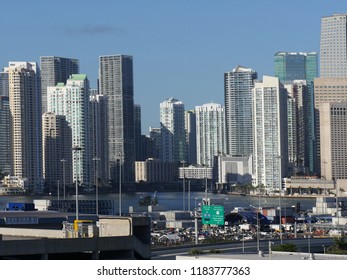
x: 116, y: 82
x: 190, y: 126
x: 238, y: 86
x: 72, y: 101
x: 56, y: 147
x: 99, y: 140
x: 333, y: 46
x: 291, y: 66
x: 139, y: 156
x: 55, y: 70
x: 333, y: 124
x: 4, y: 84
x: 298, y: 155
x: 25, y: 123
x: 270, y: 133
x: 328, y: 89
x: 173, y: 139
x: 210, y: 133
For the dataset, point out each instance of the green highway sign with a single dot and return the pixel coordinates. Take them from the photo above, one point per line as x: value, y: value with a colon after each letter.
x: 212, y: 215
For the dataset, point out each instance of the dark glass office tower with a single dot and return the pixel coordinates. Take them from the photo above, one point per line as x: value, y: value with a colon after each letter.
x: 55, y: 70
x: 290, y: 66
x: 116, y: 82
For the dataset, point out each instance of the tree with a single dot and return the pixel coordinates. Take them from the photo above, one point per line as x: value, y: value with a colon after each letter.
x: 149, y: 200
x: 287, y: 247
x: 339, y: 248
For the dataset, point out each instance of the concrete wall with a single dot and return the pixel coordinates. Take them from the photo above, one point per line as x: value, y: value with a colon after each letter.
x: 28, y: 232
x: 115, y: 227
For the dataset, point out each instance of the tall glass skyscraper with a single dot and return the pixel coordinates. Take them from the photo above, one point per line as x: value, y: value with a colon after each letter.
x: 238, y: 85
x: 55, y: 70
x: 333, y: 46
x: 116, y: 83
x: 291, y: 66
x: 3, y: 84
x: 5, y: 148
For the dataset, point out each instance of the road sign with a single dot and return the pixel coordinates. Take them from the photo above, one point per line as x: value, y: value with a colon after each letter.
x: 213, y: 215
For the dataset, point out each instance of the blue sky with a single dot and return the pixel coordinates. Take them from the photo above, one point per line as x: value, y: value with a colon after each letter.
x: 181, y: 48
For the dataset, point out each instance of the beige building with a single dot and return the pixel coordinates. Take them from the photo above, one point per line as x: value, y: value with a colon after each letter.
x: 333, y: 129
x: 57, y: 151
x: 333, y: 89
x: 25, y: 123
x: 156, y: 171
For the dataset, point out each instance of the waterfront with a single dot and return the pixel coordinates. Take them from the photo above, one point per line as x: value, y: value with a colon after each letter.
x: 174, y: 200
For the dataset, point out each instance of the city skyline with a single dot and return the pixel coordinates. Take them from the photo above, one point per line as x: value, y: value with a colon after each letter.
x: 170, y: 55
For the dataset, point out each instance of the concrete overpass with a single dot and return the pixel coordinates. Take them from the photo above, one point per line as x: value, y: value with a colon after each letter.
x: 23, y: 236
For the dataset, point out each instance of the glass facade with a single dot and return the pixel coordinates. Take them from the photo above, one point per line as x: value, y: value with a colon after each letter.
x: 238, y: 86
x: 55, y: 70
x: 116, y: 83
x: 291, y: 66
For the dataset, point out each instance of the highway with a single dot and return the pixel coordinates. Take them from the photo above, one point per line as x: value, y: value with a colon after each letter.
x: 313, y: 245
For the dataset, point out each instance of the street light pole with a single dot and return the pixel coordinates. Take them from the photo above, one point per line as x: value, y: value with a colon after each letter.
x: 184, y: 187
x: 96, y: 159
x: 120, y: 184
x: 63, y: 161
x: 279, y: 195
x: 188, y: 196
x: 337, y: 204
x: 77, y: 149
x: 258, y: 222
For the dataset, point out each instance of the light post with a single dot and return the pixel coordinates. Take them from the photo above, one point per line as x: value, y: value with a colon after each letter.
x: 325, y: 178
x: 188, y: 196
x: 96, y: 159
x: 337, y: 204
x: 195, y: 202
x: 77, y: 149
x: 206, y: 181
x: 270, y: 252
x: 279, y: 194
x: 63, y: 161
x: 120, y: 184
x: 184, y: 186
x: 58, y: 183
x: 258, y: 222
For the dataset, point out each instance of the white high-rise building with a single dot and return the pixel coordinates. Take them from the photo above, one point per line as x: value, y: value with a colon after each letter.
x: 270, y: 133
x: 173, y: 139
x: 210, y: 133
x: 72, y: 101
x: 55, y: 70
x: 25, y: 123
x: 333, y: 46
x: 238, y: 85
